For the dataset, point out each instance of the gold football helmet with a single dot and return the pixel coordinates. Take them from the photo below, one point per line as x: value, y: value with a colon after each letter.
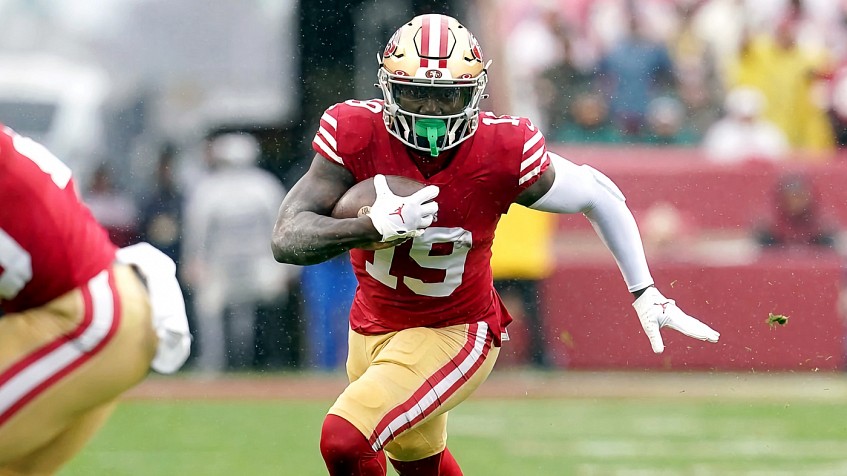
x: 432, y: 78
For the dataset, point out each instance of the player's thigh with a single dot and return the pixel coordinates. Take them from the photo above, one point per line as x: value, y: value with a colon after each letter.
x: 51, y: 457
x: 430, y: 436
x: 410, y: 378
x: 70, y: 357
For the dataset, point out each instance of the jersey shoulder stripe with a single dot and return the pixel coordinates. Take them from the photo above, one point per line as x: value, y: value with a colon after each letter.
x: 324, y: 141
x: 518, y: 138
x: 347, y: 128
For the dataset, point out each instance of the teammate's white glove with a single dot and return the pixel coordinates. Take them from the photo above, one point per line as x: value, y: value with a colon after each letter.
x: 396, y: 217
x: 656, y: 311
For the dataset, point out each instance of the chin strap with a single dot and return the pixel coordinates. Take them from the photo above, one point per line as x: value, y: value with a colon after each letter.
x: 432, y: 129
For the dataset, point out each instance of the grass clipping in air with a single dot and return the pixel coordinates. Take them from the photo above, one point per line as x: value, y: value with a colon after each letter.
x: 774, y: 319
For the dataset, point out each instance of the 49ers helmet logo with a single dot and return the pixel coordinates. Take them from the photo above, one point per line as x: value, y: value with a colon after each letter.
x: 476, y: 50
x: 391, y: 47
x: 433, y: 74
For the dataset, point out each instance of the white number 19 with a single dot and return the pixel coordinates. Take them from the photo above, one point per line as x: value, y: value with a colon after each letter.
x: 453, y: 263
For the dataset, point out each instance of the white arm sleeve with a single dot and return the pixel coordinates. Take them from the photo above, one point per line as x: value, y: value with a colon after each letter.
x: 586, y: 190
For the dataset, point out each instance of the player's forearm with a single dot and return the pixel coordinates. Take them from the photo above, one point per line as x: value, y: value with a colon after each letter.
x: 616, y: 226
x: 584, y: 189
x: 308, y: 238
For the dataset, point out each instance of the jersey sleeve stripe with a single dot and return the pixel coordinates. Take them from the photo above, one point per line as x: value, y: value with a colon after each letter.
x: 532, y: 173
x: 330, y: 120
x: 532, y: 141
x: 328, y: 137
x: 533, y: 158
x: 327, y: 150
x: 325, y: 138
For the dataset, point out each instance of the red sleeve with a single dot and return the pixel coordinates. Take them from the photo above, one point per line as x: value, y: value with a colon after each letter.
x: 346, y: 129
x: 325, y: 142
x: 523, y: 153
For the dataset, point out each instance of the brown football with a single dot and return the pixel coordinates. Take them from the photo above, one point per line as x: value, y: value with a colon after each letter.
x: 362, y: 195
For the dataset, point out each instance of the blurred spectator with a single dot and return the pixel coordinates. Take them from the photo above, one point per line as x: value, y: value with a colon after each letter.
x: 797, y: 222
x: 819, y: 24
x: 328, y: 290
x: 699, y: 82
x: 588, y: 121
x: 113, y: 208
x: 560, y: 85
x: 160, y: 221
x: 837, y: 110
x: 666, y: 124
x: 225, y: 251
x: 743, y: 133
x: 522, y: 256
x: 609, y: 20
x: 667, y: 232
x: 541, y: 25
x: 789, y: 77
x: 721, y: 24
x: 161, y: 212
x: 702, y: 106
x: 633, y: 72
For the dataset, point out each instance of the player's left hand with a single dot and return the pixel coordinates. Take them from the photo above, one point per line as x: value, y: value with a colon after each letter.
x: 656, y: 311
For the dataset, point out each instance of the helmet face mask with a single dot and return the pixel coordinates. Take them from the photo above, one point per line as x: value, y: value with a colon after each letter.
x: 432, y: 79
x: 445, y: 99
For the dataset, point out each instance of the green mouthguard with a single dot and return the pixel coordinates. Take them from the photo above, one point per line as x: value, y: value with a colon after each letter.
x: 432, y: 129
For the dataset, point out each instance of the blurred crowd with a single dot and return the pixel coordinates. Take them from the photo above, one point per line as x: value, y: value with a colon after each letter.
x: 244, y: 307
x: 740, y: 78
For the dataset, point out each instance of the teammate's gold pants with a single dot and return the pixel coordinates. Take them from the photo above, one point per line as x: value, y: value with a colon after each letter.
x: 63, y: 366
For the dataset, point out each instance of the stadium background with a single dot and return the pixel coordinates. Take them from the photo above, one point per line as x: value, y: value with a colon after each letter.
x: 765, y: 400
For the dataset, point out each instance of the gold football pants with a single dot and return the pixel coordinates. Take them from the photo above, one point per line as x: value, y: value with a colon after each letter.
x: 63, y: 366
x: 404, y: 383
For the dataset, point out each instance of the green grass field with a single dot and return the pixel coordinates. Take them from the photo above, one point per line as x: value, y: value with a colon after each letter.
x: 660, y: 435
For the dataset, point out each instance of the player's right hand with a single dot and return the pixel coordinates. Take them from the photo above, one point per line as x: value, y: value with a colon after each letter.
x: 396, y: 217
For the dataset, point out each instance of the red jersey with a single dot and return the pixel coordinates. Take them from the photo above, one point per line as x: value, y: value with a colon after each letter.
x: 49, y: 242
x: 443, y: 277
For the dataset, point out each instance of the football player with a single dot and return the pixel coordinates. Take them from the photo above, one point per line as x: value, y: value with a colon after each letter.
x: 82, y: 321
x: 426, y: 324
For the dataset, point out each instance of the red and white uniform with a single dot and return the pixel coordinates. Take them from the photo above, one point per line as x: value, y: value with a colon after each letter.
x: 443, y: 277
x: 49, y: 241
x: 77, y: 329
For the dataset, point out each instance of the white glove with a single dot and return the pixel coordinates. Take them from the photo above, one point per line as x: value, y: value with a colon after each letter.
x: 396, y: 217
x: 166, y: 304
x: 656, y: 311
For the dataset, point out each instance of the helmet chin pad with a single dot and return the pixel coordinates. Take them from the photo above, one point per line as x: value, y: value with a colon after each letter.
x: 431, y: 129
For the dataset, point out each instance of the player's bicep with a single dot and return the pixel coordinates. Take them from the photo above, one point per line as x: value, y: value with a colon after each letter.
x: 319, y: 188
x: 534, y: 192
x: 574, y: 188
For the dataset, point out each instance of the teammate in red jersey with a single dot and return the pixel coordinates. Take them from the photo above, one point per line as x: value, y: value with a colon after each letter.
x: 426, y: 323
x: 82, y: 320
